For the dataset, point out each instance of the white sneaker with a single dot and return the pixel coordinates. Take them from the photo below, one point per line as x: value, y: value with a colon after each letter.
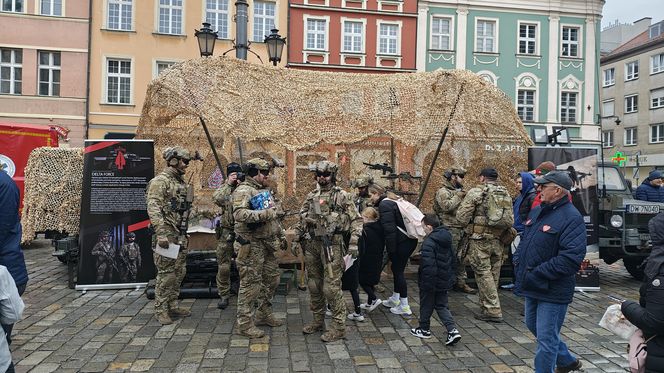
x: 372, y: 306
x: 401, y: 310
x: 355, y: 316
x: 328, y: 312
x: 391, y: 302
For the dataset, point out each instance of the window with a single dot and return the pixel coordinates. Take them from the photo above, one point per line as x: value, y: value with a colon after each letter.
x: 264, y: 12
x: 630, y: 136
x: 657, y: 98
x: 657, y: 63
x: 568, y: 107
x: 570, y: 42
x: 632, y: 70
x: 525, y: 105
x: 216, y: 14
x: 608, y: 108
x: 388, y: 38
x: 631, y: 104
x: 170, y: 17
x: 485, y: 36
x: 316, y: 34
x: 609, y: 77
x: 118, y: 81
x: 49, y: 73
x: 353, y: 41
x: 527, y: 38
x: 441, y: 33
x: 11, y: 71
x: 51, y: 8
x: 607, y: 139
x: 13, y: 6
x: 655, y: 30
x: 163, y: 65
x: 119, y: 15
x: 657, y: 133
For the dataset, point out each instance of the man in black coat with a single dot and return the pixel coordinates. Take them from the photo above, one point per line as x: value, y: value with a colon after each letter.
x: 436, y: 277
x: 648, y: 314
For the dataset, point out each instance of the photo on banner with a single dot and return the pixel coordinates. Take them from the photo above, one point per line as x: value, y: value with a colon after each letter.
x: 116, y: 247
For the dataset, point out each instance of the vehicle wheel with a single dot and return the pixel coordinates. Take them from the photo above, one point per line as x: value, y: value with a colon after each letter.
x: 62, y: 259
x: 633, y: 266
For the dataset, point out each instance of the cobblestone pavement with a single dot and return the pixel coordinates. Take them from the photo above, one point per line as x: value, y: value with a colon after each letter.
x: 64, y: 330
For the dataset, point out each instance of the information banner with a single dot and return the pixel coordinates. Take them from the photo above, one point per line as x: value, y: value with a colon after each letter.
x: 581, y: 164
x: 115, y: 243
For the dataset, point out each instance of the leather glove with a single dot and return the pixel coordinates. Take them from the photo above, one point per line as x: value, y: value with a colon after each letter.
x: 162, y: 241
x: 353, y: 251
x: 295, y: 248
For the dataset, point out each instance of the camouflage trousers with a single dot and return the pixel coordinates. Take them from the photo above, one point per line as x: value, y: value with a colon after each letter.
x: 323, y: 288
x: 461, y: 274
x: 104, y: 270
x: 224, y: 254
x: 485, y: 257
x: 259, y: 277
x: 170, y: 273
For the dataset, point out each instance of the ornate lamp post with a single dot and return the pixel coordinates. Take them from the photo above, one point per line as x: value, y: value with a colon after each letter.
x: 275, y: 46
x: 206, y: 39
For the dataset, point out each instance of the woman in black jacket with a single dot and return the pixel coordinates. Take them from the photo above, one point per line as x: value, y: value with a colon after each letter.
x: 399, y: 246
x: 648, y: 314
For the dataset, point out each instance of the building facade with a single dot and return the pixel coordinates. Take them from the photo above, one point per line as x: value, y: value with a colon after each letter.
x: 633, y: 92
x: 43, y: 63
x: 543, y: 55
x: 617, y: 34
x: 133, y: 41
x: 372, y: 36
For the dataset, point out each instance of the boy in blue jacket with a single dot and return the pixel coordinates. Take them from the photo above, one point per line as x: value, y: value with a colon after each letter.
x: 436, y: 276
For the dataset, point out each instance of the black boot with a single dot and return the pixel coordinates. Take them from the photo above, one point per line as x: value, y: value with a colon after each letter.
x: 223, y: 303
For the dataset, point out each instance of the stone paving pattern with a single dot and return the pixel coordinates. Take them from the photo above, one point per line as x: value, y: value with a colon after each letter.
x: 64, y: 330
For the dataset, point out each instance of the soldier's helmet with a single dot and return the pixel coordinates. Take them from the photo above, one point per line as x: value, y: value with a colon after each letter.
x: 131, y: 236
x: 324, y: 166
x: 104, y: 235
x: 176, y: 152
x: 362, y: 181
x: 257, y: 164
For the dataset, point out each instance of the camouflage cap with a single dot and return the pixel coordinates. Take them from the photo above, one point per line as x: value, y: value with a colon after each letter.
x: 258, y: 163
x: 176, y: 152
x: 324, y: 166
x: 362, y: 181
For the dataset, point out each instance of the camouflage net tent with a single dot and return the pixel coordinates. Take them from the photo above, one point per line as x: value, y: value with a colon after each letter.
x: 302, y: 116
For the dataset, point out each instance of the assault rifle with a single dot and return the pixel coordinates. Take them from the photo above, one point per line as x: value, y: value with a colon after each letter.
x: 385, y: 168
x: 182, y: 204
x: 321, y: 230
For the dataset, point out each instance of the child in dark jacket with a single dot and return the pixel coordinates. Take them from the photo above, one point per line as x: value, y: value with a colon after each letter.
x: 435, y: 278
x: 371, y: 245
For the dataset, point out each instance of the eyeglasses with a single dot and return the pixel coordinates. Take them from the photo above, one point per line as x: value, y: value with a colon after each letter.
x: 265, y: 172
x: 461, y: 176
x: 323, y: 174
x: 543, y: 186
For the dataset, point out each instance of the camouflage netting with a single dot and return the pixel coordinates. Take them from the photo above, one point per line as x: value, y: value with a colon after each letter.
x: 53, y: 184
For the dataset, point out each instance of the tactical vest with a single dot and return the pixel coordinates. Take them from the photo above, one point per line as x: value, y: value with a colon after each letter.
x: 332, y: 218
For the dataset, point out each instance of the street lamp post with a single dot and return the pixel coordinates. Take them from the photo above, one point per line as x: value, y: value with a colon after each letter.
x: 241, y: 22
x: 206, y: 39
x: 275, y: 46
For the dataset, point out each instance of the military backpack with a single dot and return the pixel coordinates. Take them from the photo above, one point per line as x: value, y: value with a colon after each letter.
x: 499, y: 212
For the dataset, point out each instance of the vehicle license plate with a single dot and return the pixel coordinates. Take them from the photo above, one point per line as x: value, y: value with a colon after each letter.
x: 643, y: 209
x: 644, y: 236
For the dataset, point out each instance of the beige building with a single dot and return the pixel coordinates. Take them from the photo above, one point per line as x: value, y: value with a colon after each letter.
x: 133, y: 41
x: 43, y: 63
x: 633, y: 91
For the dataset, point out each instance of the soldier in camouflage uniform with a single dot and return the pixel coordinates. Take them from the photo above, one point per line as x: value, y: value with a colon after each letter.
x: 130, y: 257
x: 361, y: 199
x: 448, y: 198
x: 105, y: 262
x: 225, y: 234
x: 327, y: 214
x: 485, y: 252
x: 164, y: 193
x: 257, y: 231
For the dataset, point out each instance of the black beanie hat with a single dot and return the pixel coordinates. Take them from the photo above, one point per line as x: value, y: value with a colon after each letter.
x: 233, y: 167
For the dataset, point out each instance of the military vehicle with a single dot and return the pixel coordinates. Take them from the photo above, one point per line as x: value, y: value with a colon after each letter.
x: 623, y: 222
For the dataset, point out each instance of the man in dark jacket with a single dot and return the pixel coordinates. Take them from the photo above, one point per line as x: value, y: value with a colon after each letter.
x: 552, y: 247
x: 651, y: 188
x: 647, y: 315
x: 11, y: 255
x: 436, y: 277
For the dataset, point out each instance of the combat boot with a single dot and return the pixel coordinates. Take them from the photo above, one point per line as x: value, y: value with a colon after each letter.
x: 333, y: 335
x: 223, y: 303
x: 252, y: 332
x: 269, y: 320
x: 179, y: 312
x: 464, y: 288
x: 313, y: 327
x: 163, y: 318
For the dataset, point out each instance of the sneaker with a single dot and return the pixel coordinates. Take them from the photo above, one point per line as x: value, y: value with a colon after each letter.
x: 401, y: 310
x: 421, y: 333
x: 453, y: 337
x: 507, y: 286
x: 355, y: 316
x: 370, y: 307
x: 566, y: 369
x: 391, y: 302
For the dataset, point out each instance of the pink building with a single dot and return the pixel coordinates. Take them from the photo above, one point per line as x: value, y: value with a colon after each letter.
x: 43, y: 63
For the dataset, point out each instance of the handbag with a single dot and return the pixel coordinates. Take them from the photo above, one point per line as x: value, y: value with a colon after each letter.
x: 637, y: 350
x: 614, y: 321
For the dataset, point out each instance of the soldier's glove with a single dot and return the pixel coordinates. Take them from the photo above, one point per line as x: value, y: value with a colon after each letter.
x: 269, y: 214
x: 461, y: 194
x: 353, y: 251
x: 295, y: 248
x: 162, y: 242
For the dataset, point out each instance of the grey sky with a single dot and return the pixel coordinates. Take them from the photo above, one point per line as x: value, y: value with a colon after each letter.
x: 628, y: 11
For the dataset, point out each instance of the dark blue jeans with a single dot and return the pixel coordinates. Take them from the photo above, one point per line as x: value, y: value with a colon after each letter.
x: 545, y: 320
x: 435, y: 300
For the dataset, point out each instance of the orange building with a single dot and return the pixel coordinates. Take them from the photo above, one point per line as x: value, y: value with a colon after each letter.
x: 371, y: 36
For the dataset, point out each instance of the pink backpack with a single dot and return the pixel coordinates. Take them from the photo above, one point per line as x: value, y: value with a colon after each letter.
x: 637, y: 352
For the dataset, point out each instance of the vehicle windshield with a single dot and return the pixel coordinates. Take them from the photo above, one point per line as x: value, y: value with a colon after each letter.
x: 611, y: 177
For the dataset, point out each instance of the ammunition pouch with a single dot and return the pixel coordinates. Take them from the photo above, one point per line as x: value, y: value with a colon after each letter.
x: 257, y: 225
x: 484, y: 229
